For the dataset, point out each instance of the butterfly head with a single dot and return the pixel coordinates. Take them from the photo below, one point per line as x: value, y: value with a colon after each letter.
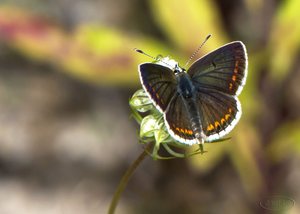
x: 164, y: 61
x: 170, y: 63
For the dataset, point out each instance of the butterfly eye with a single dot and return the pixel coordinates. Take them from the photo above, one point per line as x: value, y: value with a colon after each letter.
x: 158, y: 58
x: 178, y: 69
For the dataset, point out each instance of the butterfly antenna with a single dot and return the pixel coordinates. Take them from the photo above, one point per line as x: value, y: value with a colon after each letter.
x: 142, y: 52
x: 155, y: 58
x: 197, y: 50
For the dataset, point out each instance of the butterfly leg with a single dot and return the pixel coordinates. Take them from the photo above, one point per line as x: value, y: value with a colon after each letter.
x: 200, y: 141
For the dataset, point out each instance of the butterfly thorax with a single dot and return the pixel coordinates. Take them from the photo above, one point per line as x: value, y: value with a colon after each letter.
x: 185, y: 86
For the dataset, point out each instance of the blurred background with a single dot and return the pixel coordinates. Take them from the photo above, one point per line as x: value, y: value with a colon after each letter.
x: 68, y: 69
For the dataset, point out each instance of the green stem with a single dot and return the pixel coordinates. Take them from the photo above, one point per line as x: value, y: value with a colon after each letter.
x: 125, y: 179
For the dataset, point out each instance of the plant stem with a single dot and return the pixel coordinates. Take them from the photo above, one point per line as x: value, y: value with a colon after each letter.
x: 125, y: 179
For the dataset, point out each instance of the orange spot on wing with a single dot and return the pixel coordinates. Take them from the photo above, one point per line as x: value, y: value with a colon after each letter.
x: 185, y: 131
x: 210, y: 127
x: 217, y: 124
x: 188, y: 131
x: 236, y: 67
x: 230, y: 86
x: 227, y: 116
x: 223, y: 121
x: 234, y: 78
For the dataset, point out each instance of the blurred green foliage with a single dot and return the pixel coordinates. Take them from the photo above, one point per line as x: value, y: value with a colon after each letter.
x: 284, y: 39
x: 104, y: 55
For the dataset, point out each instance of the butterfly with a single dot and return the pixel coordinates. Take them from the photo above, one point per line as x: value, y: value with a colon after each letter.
x: 199, y: 104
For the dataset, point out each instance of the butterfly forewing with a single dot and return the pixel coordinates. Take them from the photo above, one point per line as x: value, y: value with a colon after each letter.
x: 222, y: 70
x: 159, y: 82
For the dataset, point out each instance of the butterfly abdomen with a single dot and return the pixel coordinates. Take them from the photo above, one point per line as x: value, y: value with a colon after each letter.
x: 195, y: 119
x: 187, y: 90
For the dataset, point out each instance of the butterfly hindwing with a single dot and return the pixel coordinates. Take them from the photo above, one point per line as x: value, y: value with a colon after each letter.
x: 220, y: 113
x: 224, y: 69
x: 159, y: 82
x: 178, y: 120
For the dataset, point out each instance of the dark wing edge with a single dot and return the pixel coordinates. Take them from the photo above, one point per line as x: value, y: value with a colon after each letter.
x: 159, y: 83
x: 243, y: 82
